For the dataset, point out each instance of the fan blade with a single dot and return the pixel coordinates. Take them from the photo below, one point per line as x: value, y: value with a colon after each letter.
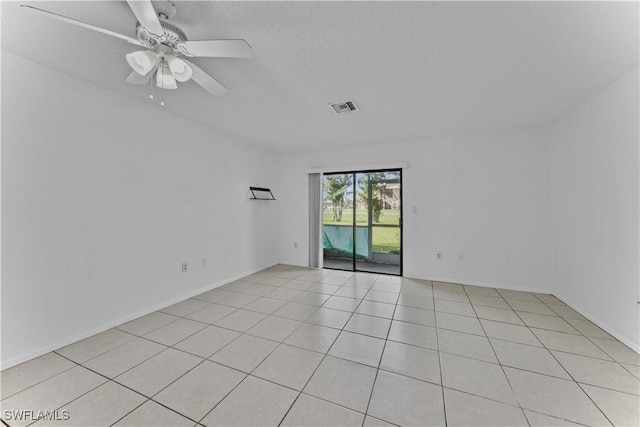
x: 146, y: 15
x: 218, y: 48
x: 84, y: 25
x: 210, y: 84
x: 137, y: 79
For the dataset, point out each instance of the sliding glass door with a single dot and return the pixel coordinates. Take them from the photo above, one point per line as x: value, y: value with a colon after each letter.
x: 362, y: 221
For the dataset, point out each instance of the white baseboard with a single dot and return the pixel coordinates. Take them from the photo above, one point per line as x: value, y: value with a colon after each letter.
x: 86, y: 334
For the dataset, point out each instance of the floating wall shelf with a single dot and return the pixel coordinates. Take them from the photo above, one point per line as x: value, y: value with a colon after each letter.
x: 259, y: 193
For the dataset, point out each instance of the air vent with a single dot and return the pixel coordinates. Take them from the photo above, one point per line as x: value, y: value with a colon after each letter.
x: 344, y: 107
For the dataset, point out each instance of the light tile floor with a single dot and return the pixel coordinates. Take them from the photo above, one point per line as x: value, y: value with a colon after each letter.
x: 292, y: 346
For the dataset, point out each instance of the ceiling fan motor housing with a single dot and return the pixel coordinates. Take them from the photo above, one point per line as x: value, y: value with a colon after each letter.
x: 173, y: 37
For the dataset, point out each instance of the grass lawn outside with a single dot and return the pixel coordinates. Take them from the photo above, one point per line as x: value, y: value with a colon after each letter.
x: 388, y: 216
x: 386, y: 239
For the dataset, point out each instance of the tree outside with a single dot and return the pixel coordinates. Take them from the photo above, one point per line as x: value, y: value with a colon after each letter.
x: 377, y: 193
x: 336, y: 187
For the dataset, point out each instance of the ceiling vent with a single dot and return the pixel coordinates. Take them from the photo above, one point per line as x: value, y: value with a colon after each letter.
x: 344, y: 107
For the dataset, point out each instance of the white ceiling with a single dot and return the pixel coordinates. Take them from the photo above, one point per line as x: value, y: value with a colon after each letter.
x: 415, y: 69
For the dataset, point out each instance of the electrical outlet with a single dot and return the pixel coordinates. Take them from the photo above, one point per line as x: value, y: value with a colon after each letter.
x: 204, y: 262
x: 439, y: 256
x: 185, y: 267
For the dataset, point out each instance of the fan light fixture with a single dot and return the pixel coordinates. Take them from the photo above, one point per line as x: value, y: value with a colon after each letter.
x: 170, y: 69
x: 142, y: 61
x: 180, y: 70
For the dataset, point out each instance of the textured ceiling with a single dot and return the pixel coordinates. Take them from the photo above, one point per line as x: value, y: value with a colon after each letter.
x: 415, y: 69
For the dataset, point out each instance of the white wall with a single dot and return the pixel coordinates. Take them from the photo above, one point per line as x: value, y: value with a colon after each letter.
x: 104, y: 197
x: 594, y: 199
x: 485, y: 196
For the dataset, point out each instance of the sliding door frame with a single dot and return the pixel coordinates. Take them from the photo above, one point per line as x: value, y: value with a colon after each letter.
x: 353, y: 173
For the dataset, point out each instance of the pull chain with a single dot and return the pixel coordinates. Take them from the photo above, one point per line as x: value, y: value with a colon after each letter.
x: 162, y: 88
x: 151, y: 87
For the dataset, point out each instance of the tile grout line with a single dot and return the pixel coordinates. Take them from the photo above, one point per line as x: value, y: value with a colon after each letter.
x: 246, y: 374
x: 56, y: 351
x: 4, y: 398
x: 532, y: 330
x: 152, y: 330
x: 329, y: 349
x: 561, y: 365
x: 594, y: 403
x: 500, y: 363
x: 198, y: 364
x: 151, y: 398
x: 255, y: 367
x: 76, y: 398
x: 126, y: 414
x: 321, y: 360
x: 106, y: 382
x: 384, y: 346
x: 225, y: 396
x: 579, y: 386
x: 556, y: 417
x: 444, y: 403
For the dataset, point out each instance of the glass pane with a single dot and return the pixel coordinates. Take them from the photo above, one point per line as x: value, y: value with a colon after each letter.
x: 378, y: 222
x: 337, y: 221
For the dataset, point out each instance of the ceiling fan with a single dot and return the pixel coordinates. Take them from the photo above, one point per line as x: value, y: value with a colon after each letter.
x: 165, y: 47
